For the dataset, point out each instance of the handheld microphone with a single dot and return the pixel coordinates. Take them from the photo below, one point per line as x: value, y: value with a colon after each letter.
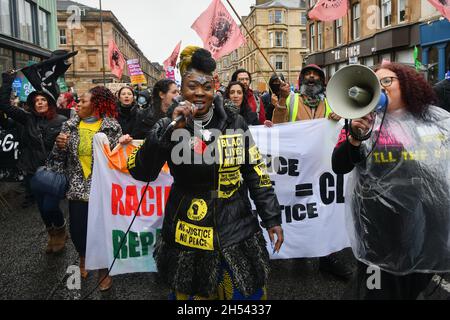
x: 179, y: 100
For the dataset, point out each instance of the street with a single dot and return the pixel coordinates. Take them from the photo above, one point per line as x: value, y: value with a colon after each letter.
x: 26, y: 272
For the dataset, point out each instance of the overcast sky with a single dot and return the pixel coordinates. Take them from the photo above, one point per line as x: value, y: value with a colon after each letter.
x: 158, y: 25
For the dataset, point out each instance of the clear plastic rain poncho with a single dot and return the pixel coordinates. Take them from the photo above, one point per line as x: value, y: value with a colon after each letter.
x: 398, y: 200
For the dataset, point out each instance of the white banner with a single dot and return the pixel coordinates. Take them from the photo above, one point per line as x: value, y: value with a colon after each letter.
x: 113, y: 203
x: 310, y: 194
x: 299, y: 164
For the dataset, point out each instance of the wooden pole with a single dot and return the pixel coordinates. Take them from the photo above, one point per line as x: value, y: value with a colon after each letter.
x: 251, y: 37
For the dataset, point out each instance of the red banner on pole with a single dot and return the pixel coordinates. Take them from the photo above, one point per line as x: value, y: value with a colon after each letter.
x: 329, y: 10
x: 217, y: 29
x: 116, y: 60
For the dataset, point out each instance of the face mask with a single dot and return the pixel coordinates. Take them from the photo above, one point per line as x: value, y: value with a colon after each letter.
x: 142, y: 101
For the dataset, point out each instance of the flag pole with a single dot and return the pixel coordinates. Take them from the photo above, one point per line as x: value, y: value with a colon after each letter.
x: 251, y: 37
x: 103, y: 48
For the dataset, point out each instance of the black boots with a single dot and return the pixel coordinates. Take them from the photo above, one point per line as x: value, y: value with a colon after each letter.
x: 335, y: 266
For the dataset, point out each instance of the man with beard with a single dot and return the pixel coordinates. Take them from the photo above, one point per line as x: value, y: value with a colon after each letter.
x: 309, y: 104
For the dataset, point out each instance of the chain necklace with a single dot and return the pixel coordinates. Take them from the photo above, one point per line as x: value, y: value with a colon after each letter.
x: 200, y: 123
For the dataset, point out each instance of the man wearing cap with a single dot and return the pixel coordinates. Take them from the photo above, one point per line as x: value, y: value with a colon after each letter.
x: 309, y: 104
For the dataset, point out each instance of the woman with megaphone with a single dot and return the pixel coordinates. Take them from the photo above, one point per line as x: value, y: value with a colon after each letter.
x: 398, y: 194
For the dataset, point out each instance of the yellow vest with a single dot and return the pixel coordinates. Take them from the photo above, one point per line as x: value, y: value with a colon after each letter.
x: 292, y: 107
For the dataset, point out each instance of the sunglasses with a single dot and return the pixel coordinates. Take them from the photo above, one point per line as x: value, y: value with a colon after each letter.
x: 387, y: 81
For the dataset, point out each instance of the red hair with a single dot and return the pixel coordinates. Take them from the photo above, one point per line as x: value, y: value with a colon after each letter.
x: 51, y: 112
x: 70, y: 100
x: 104, y: 102
x: 416, y: 92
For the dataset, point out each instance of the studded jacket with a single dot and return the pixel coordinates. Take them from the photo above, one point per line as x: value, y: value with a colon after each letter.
x: 208, y: 207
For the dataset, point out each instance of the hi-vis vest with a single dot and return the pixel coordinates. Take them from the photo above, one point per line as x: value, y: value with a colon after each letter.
x: 292, y: 106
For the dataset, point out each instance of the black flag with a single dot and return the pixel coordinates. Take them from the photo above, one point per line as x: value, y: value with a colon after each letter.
x: 44, y: 75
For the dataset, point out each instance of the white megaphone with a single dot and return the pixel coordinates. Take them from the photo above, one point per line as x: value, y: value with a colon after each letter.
x: 355, y: 91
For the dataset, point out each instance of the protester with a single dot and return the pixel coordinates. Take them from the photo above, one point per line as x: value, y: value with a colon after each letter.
x: 398, y: 193
x: 73, y: 155
x: 129, y: 112
x: 272, y: 96
x: 235, y: 93
x: 40, y: 128
x: 309, y: 104
x: 143, y: 99
x: 66, y: 105
x: 10, y: 137
x: 254, y: 100
x: 229, y: 259
x: 163, y: 94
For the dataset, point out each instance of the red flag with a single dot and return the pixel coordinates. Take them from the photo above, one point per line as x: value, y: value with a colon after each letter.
x: 172, y: 60
x: 329, y: 10
x: 217, y: 29
x: 116, y: 60
x: 443, y: 6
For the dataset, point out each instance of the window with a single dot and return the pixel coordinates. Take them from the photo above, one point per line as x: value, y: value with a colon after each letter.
x: 319, y: 36
x: 279, y: 39
x: 401, y: 10
x: 356, y: 14
x: 302, y: 4
x: 312, y: 37
x: 62, y: 36
x: 278, y: 16
x: 304, y: 40
x: 303, y: 18
x: 43, y: 28
x: 92, y: 61
x: 25, y: 21
x: 386, y: 13
x: 270, y: 17
x: 312, y: 3
x: 338, y: 27
x: 5, y: 17
x: 91, y: 35
x: 279, y: 61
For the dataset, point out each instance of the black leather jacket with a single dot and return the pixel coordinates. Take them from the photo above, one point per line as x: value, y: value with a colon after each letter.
x: 210, y: 196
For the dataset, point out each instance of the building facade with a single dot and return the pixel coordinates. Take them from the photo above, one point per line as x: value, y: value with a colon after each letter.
x: 79, y: 28
x: 372, y: 31
x: 27, y: 32
x: 279, y: 27
x: 435, y: 42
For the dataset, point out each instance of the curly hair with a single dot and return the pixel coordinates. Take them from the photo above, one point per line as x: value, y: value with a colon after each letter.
x: 245, y: 107
x: 193, y: 57
x: 104, y: 102
x: 234, y: 83
x: 416, y: 92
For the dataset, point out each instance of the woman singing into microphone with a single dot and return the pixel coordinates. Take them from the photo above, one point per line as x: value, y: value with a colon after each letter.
x: 211, y: 244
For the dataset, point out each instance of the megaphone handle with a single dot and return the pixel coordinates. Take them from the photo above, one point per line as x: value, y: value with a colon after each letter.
x: 360, y: 136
